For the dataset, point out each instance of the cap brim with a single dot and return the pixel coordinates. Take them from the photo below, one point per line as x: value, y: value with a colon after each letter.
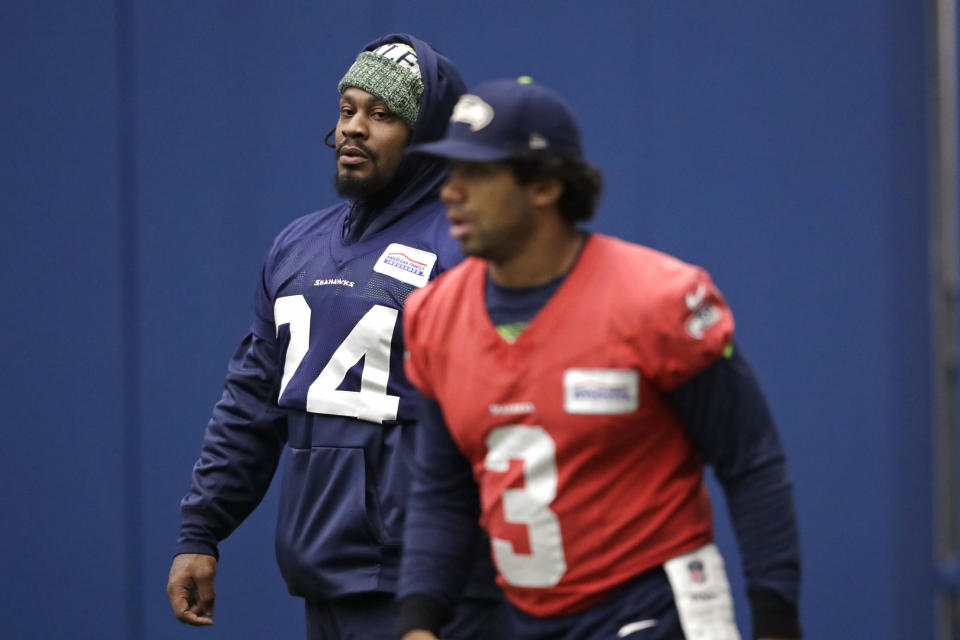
x: 453, y: 149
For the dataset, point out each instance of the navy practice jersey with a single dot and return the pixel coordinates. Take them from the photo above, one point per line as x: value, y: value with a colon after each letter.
x: 337, y: 309
x: 327, y: 345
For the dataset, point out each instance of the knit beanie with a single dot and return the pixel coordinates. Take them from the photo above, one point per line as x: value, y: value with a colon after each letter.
x: 390, y: 73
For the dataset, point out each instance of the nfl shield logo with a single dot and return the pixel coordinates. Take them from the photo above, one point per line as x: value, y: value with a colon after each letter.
x: 697, y: 574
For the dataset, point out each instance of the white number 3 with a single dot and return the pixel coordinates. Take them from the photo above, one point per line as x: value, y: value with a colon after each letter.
x: 370, y: 339
x: 530, y: 505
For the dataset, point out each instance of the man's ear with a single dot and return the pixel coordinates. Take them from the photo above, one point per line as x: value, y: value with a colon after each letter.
x: 545, y: 193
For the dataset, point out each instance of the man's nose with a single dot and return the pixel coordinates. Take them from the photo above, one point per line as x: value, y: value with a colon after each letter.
x: 356, y: 126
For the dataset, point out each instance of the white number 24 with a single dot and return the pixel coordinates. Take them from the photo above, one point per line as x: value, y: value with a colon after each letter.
x: 370, y: 339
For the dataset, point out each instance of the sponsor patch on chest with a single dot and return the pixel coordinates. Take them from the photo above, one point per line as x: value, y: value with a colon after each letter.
x: 601, y: 391
x: 406, y: 264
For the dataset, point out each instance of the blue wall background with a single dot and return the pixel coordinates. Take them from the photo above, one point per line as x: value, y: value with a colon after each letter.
x: 152, y: 150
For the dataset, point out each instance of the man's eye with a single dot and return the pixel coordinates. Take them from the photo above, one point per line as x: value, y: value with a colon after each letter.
x: 381, y: 115
x: 346, y: 112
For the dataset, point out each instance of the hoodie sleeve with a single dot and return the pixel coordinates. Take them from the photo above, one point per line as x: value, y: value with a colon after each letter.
x: 242, y: 442
x: 241, y: 448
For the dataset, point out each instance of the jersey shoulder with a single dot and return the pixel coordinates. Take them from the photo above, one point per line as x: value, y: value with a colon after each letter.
x: 670, y: 309
x: 305, y: 231
x: 442, y: 297
x: 652, y: 271
x: 431, y: 315
x: 310, y: 225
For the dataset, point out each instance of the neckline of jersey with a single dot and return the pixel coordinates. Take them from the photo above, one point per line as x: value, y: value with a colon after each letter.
x: 342, y: 253
x: 577, y: 272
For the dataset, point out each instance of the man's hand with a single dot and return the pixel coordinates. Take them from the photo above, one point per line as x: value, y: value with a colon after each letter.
x: 418, y: 634
x: 190, y: 588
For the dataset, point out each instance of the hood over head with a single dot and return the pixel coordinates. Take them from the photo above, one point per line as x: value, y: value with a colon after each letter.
x: 419, y: 177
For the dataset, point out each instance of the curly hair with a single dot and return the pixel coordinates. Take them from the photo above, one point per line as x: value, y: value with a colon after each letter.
x: 582, y: 182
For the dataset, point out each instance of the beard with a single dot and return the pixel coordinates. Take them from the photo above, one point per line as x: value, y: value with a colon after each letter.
x: 354, y: 187
x: 350, y: 185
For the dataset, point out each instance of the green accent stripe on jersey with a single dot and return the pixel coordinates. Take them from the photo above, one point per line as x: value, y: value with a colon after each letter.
x: 510, y: 331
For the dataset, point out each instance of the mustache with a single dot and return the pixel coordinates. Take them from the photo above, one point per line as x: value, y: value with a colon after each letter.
x: 364, y: 149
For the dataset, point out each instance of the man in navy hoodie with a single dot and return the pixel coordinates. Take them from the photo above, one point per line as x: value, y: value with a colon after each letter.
x: 321, y: 371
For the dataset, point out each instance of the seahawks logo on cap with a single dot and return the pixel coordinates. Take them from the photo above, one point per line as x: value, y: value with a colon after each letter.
x: 471, y: 110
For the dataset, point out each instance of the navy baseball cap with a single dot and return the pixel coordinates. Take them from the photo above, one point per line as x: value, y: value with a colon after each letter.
x: 502, y: 118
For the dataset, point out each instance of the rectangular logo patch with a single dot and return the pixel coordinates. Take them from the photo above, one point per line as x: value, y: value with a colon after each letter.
x: 406, y: 264
x: 601, y: 391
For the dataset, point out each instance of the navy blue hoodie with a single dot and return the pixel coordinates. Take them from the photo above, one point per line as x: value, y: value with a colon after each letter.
x: 321, y: 375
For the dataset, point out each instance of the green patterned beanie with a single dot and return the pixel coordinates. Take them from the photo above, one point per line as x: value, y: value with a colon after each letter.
x: 390, y: 73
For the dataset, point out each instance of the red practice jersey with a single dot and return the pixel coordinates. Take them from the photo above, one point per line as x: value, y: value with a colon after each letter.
x: 587, y: 477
